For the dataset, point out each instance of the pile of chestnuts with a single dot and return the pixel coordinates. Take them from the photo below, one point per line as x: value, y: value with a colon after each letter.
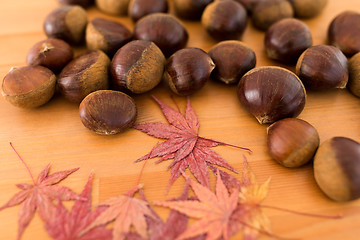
x: 123, y: 62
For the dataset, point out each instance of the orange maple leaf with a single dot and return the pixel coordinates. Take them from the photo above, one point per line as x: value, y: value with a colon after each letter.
x: 127, y: 211
x: 249, y: 211
x: 213, y: 210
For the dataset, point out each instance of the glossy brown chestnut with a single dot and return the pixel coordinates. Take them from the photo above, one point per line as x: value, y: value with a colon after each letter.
x: 271, y: 93
x: 106, y: 35
x: 344, y: 32
x: 67, y: 23
x: 190, y: 9
x: 141, y: 8
x: 83, y: 75
x: 188, y: 70
x: 232, y: 60
x: 113, y: 7
x: 292, y: 142
x: 226, y: 19
x: 308, y: 8
x: 138, y: 66
x: 28, y: 87
x: 337, y: 168
x: 107, y: 112
x: 287, y: 39
x: 164, y: 30
x: 82, y: 3
x: 323, y: 67
x: 354, y: 75
x: 268, y: 12
x: 51, y: 53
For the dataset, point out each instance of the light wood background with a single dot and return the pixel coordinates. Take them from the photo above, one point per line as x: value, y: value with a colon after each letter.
x: 54, y: 134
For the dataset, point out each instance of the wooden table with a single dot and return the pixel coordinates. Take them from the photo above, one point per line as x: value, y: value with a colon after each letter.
x: 54, y: 134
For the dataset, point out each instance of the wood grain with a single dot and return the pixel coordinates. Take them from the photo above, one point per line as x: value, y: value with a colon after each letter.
x: 54, y: 134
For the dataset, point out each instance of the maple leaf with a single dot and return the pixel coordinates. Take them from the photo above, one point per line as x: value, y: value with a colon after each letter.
x: 68, y: 225
x: 183, y: 144
x: 127, y: 211
x: 213, y: 210
x: 248, y: 215
x: 39, y: 197
x: 175, y: 224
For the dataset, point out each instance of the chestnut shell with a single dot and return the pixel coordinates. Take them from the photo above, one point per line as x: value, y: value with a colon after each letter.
x: 271, y: 93
x: 28, y: 87
x: 323, y: 67
x: 344, y: 32
x: 108, y: 112
x: 106, y: 35
x: 141, y: 8
x: 188, y: 70
x: 84, y: 74
x: 287, y: 39
x: 51, y: 53
x: 292, y: 142
x: 164, y: 30
x: 138, y: 66
x: 337, y: 168
x: 224, y: 20
x: 232, y: 60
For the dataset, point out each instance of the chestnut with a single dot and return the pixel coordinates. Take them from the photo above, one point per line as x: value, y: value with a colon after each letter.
x: 271, y: 93
x: 308, y: 8
x: 84, y: 74
x: 106, y: 35
x: 232, y: 60
x: 268, y: 12
x: 108, y: 112
x: 141, y: 8
x: 51, y: 53
x: 67, y: 23
x: 188, y: 70
x: 190, y: 9
x: 344, y: 32
x: 28, y: 87
x: 226, y: 19
x: 287, y: 39
x: 249, y: 4
x: 354, y: 75
x: 337, y: 168
x: 292, y: 142
x: 323, y: 67
x: 138, y: 66
x: 82, y: 3
x: 166, y: 31
x: 113, y: 7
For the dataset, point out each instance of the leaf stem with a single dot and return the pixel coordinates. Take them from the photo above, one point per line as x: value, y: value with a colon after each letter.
x: 301, y: 213
x: 226, y: 144
x: 143, y: 166
x: 27, y: 168
x: 264, y: 232
x: 177, y: 106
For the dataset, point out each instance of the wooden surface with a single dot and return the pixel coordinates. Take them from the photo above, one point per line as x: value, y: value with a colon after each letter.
x: 54, y: 134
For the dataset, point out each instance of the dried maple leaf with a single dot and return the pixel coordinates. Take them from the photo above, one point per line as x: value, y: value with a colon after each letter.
x: 248, y: 215
x: 68, y: 225
x: 213, y: 210
x: 183, y: 144
x: 39, y: 196
x: 175, y: 224
x: 127, y: 211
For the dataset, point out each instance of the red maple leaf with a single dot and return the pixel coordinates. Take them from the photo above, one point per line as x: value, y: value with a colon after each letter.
x: 126, y: 211
x: 183, y: 144
x: 68, y: 225
x: 212, y: 210
x: 174, y: 226
x: 39, y: 195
